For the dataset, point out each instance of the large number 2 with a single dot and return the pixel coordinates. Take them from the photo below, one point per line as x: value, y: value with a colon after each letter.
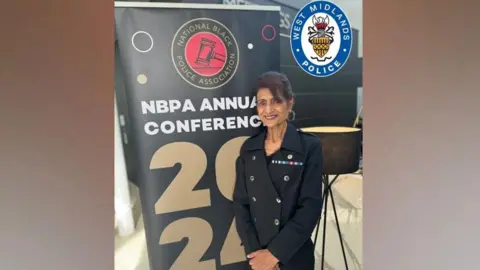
x: 181, y: 196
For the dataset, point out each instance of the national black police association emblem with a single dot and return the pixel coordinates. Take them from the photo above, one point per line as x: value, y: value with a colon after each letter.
x: 205, y: 53
x: 321, y: 38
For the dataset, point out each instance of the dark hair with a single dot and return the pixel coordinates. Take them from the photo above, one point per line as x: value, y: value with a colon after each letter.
x: 277, y: 83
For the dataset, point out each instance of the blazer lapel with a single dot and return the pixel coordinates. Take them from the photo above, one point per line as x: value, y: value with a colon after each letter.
x: 258, y: 163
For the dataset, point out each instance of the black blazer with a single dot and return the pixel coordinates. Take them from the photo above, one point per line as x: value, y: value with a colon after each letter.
x: 282, y: 221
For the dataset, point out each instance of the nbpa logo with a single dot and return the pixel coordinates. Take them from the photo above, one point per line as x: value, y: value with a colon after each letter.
x: 205, y: 53
x: 321, y: 38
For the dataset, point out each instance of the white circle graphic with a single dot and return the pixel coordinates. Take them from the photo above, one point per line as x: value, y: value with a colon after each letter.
x: 142, y: 79
x: 148, y: 35
x: 250, y: 46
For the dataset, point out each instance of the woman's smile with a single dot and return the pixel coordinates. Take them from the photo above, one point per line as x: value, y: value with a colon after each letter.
x: 271, y: 117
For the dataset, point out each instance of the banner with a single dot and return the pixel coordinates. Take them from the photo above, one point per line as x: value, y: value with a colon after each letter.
x: 184, y: 77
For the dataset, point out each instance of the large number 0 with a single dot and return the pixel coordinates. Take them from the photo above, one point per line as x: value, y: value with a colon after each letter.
x: 181, y: 196
x: 232, y: 251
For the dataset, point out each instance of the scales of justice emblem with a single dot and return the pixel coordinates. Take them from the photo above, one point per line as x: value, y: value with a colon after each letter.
x: 320, y: 35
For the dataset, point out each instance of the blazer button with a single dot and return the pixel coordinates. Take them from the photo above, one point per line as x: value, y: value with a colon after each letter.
x: 278, y: 200
x: 277, y: 222
x: 286, y: 178
x: 254, y: 157
x: 254, y: 199
x: 252, y: 178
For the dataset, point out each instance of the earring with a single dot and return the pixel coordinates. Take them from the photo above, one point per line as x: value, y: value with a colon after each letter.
x: 292, y: 112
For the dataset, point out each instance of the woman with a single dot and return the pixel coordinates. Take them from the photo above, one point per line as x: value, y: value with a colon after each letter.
x: 278, y: 192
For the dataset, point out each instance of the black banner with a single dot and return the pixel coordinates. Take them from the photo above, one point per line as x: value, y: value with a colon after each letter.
x: 184, y: 75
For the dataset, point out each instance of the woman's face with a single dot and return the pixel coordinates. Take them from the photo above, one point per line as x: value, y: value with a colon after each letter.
x: 272, y: 111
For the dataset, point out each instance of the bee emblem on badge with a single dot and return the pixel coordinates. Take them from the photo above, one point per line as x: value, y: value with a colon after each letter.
x: 320, y: 35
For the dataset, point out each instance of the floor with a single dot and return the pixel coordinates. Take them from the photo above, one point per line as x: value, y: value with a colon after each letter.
x: 130, y: 252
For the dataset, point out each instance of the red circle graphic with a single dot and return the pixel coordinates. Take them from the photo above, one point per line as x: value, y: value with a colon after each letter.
x: 273, y: 34
x: 206, y: 53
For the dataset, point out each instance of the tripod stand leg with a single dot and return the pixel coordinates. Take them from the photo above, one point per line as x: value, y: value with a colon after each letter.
x: 338, y: 228
x: 316, y: 231
x: 325, y: 192
x: 324, y: 225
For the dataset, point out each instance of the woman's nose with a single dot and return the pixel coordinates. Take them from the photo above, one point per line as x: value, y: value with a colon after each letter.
x: 268, y: 108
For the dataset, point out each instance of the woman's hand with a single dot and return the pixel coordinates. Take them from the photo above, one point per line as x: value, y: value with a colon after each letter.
x: 263, y: 260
